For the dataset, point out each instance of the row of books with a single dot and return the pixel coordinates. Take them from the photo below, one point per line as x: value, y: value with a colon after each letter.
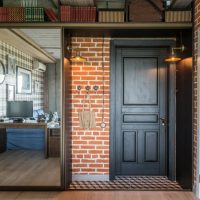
x: 178, y: 16
x: 77, y: 14
x: 111, y: 16
x: 20, y: 14
x: 34, y: 14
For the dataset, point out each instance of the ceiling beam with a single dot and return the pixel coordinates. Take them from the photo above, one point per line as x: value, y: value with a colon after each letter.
x: 18, y: 40
x: 181, y: 3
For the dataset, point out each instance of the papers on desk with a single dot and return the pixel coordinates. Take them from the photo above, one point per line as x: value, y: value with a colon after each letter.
x: 53, y: 125
x: 7, y: 120
x: 30, y: 121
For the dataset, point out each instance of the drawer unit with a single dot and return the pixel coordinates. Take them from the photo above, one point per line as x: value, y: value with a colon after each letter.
x: 54, y: 142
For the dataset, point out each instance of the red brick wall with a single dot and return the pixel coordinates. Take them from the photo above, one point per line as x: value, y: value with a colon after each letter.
x: 90, y: 148
x: 195, y: 121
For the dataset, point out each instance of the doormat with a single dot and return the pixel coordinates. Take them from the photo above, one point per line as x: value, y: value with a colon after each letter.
x: 143, y: 183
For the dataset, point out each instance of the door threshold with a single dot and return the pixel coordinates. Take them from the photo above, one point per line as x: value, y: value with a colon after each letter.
x: 129, y: 183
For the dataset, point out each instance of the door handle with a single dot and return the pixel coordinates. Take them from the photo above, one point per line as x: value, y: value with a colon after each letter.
x: 163, y: 121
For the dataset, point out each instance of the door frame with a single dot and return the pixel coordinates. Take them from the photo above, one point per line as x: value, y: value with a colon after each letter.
x: 144, y: 42
x: 197, y: 181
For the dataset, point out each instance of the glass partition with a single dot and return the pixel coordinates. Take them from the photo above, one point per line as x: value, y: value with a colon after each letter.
x: 30, y: 107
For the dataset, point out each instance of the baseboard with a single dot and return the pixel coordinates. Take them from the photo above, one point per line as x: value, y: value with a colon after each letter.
x: 79, y: 177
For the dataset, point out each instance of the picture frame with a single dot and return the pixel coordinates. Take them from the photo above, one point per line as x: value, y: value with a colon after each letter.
x: 23, y: 81
x: 36, y: 86
x: 10, y: 92
x: 2, y: 72
x: 11, y: 64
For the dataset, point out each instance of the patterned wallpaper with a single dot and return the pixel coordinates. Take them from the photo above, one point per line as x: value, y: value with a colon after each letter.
x: 25, y: 61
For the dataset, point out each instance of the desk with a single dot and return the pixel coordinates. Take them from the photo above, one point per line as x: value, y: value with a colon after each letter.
x: 5, y: 125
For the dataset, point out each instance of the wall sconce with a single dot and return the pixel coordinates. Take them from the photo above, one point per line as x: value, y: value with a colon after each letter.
x: 173, y: 58
x: 77, y: 57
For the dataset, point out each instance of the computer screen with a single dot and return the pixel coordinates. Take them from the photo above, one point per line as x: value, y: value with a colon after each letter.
x: 20, y: 109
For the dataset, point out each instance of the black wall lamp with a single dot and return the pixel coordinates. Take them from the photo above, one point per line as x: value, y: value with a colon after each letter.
x: 77, y: 57
x: 173, y: 57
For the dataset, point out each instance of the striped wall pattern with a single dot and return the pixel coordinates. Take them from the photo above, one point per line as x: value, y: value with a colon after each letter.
x: 25, y: 61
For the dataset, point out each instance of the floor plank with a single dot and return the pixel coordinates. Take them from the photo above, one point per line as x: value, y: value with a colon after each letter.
x: 28, y: 168
x: 109, y: 195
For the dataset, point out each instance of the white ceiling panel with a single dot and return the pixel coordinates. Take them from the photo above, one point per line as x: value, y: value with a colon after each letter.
x: 47, y: 39
x: 20, y: 41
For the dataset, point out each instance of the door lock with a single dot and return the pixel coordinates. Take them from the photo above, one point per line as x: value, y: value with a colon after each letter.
x: 163, y: 121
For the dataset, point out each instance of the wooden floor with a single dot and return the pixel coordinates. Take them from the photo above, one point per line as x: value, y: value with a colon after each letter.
x: 28, y: 168
x: 97, y: 196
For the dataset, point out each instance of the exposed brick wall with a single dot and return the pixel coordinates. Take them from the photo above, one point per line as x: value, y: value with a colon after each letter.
x: 195, y: 105
x: 90, y: 148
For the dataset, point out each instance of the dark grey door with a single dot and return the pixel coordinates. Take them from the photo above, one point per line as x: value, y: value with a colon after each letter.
x: 141, y: 107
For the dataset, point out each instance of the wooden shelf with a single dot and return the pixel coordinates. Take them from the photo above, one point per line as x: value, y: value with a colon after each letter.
x: 114, y: 26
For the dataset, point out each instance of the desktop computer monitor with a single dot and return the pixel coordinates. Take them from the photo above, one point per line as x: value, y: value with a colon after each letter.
x: 20, y: 109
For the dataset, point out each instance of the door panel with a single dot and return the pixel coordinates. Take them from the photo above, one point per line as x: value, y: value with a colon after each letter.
x: 129, y: 148
x: 140, y: 118
x: 141, y: 93
x: 151, y: 146
x: 140, y: 78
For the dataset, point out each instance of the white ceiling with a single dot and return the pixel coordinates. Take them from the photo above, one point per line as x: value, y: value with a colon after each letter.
x: 47, y: 39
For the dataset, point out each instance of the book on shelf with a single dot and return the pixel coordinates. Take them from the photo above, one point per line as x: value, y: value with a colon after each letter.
x: 65, y: 14
x: 16, y: 14
x: 78, y: 14
x: 111, y: 16
x: 12, y: 14
x: 51, y: 15
x: 3, y: 14
x: 93, y: 14
x: 73, y: 14
x: 178, y: 16
x: 34, y: 14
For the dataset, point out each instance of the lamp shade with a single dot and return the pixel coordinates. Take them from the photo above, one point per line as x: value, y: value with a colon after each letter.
x: 78, y: 58
x: 172, y: 58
